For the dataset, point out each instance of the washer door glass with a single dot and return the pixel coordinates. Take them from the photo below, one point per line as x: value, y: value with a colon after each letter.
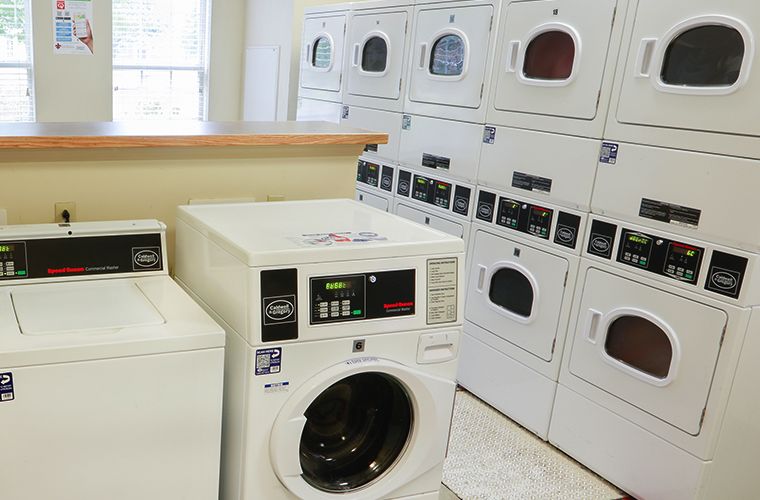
x: 512, y: 290
x: 355, y: 432
x: 550, y: 56
x: 447, y: 58
x: 707, y: 56
x: 375, y: 55
x: 640, y: 344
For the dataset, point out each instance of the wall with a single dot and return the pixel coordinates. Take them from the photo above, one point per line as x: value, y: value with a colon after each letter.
x: 78, y: 88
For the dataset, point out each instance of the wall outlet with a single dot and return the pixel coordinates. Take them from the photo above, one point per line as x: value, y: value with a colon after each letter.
x: 275, y: 197
x: 72, y: 209
x: 3, y: 217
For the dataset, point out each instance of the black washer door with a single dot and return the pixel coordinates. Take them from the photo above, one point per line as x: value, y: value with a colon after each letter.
x: 355, y: 431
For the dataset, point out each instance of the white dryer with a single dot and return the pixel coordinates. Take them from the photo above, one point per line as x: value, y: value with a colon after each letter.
x: 448, y: 83
x: 688, y: 77
x: 523, y: 259
x: 343, y: 327
x: 388, y: 122
x: 374, y: 183
x: 320, y: 84
x: 110, y: 375
x: 438, y: 202
x: 555, y: 65
x: 655, y: 336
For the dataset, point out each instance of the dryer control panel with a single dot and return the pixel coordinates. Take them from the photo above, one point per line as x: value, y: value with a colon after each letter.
x: 660, y: 255
x: 443, y: 194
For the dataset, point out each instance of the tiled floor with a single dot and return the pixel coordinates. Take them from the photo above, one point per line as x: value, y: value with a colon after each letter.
x: 492, y: 458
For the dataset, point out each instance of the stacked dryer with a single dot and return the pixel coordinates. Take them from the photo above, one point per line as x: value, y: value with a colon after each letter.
x: 320, y: 84
x: 547, y: 107
x: 663, y: 337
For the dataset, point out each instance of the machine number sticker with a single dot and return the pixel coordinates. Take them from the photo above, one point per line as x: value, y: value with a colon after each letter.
x: 6, y: 387
x: 442, y: 290
x: 608, y: 153
x: 268, y: 361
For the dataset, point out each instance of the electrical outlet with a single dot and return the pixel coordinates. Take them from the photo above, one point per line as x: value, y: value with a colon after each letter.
x: 276, y: 197
x: 72, y: 209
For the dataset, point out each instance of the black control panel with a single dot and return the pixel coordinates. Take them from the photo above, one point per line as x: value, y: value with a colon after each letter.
x: 442, y: 194
x: 368, y: 173
x: 432, y: 191
x: 386, y: 179
x: 404, y: 183
x: 13, y: 259
x: 660, y: 255
x: 385, y: 294
x: 524, y: 217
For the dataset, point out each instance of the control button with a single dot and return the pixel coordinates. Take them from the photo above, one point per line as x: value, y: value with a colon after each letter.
x: 323, y: 304
x: 335, y: 303
x: 346, y: 302
x: 323, y: 315
x: 334, y: 314
x: 346, y: 313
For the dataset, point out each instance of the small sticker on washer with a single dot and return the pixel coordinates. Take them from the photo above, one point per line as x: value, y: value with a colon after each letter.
x: 489, y: 135
x: 670, y: 213
x: 608, y: 153
x: 268, y: 360
x: 361, y: 360
x: 6, y: 387
x: 345, y: 113
x: 433, y: 161
x: 277, y: 388
x: 531, y: 183
x: 406, y: 122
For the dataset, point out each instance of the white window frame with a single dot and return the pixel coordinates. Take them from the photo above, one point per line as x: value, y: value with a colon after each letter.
x: 24, y: 64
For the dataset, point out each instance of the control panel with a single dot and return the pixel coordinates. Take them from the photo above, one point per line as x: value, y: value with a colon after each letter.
x: 351, y: 297
x: 445, y: 195
x: 13, y: 259
x: 375, y: 175
x: 524, y: 217
x: 660, y: 255
x: 431, y: 191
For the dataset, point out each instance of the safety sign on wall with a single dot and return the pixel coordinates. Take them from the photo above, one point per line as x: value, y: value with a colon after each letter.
x: 72, y: 27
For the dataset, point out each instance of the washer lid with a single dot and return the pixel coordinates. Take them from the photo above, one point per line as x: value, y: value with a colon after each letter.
x: 302, y: 232
x: 106, y: 305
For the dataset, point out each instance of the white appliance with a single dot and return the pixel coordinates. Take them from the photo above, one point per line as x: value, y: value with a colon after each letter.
x: 555, y: 65
x: 436, y: 201
x: 388, y: 122
x: 110, y: 375
x: 687, y: 77
x: 374, y: 183
x: 343, y: 327
x: 655, y: 336
x: 320, y: 84
x: 452, y: 52
x: 523, y: 262
x: 696, y: 195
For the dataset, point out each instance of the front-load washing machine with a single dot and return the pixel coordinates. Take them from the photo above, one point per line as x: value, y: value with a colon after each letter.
x: 374, y: 183
x: 555, y: 65
x: 653, y: 344
x: 436, y: 201
x: 320, y: 83
x: 110, y: 375
x: 523, y: 262
x: 687, y: 77
x: 343, y: 326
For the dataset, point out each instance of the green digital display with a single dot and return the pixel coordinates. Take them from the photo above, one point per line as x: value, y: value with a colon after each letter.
x: 337, y: 285
x: 7, y: 248
x: 639, y: 239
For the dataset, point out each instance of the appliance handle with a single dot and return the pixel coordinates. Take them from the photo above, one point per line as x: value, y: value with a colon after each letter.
x: 592, y: 323
x: 481, y: 277
x: 308, y: 53
x: 512, y: 50
x: 356, y: 55
x: 423, y: 49
x: 644, y: 58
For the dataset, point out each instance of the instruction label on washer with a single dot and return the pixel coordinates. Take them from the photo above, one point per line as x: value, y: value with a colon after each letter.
x: 6, y: 387
x: 268, y: 360
x: 670, y: 213
x: 442, y: 290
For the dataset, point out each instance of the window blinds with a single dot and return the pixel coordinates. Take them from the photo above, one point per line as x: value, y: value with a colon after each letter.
x: 16, y: 77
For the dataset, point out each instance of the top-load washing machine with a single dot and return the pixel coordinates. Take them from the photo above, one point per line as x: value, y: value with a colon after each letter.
x: 343, y: 325
x: 320, y: 83
x: 659, y: 324
x: 452, y: 52
x: 688, y: 78
x: 110, y: 375
x: 376, y: 57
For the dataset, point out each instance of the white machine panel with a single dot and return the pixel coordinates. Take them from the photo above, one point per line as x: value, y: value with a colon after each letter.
x: 315, y: 110
x: 374, y: 119
x: 374, y: 200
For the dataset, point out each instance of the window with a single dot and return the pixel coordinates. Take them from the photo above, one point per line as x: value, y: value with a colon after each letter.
x: 640, y: 344
x: 707, y: 56
x: 375, y: 55
x: 160, y: 59
x: 16, y: 77
x: 511, y: 290
x: 550, y: 56
x: 448, y: 56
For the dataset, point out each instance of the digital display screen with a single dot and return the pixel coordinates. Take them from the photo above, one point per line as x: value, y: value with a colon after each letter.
x: 7, y: 248
x: 540, y: 212
x: 443, y: 186
x: 689, y: 252
x: 638, y: 239
x: 338, y: 285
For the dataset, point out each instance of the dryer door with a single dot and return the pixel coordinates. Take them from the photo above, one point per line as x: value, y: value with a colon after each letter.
x: 692, y: 71
x: 650, y: 348
x: 553, y: 57
x: 322, y: 53
x: 360, y: 429
x: 450, y: 54
x: 376, y: 54
x: 516, y: 292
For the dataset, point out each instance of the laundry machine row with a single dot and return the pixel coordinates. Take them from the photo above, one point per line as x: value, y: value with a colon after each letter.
x: 655, y: 338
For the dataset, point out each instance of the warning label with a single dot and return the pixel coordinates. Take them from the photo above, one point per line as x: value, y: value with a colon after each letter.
x: 442, y: 291
x: 669, y: 213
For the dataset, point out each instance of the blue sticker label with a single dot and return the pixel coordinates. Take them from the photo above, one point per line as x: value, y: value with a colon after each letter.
x: 268, y: 361
x: 489, y: 135
x: 609, y: 153
x: 345, y: 113
x: 406, y: 124
x: 6, y: 387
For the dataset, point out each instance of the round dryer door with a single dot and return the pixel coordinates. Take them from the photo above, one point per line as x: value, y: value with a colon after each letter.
x: 355, y: 430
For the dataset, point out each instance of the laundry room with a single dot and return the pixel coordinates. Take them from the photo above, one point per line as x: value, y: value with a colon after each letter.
x: 379, y: 250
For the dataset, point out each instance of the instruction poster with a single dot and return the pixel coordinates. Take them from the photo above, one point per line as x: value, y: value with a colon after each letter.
x: 72, y: 27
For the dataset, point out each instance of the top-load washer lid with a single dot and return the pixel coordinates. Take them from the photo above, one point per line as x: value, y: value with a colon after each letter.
x: 302, y: 232
x: 82, y: 308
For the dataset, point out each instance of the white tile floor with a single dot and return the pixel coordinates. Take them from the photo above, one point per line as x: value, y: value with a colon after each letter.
x: 492, y: 458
